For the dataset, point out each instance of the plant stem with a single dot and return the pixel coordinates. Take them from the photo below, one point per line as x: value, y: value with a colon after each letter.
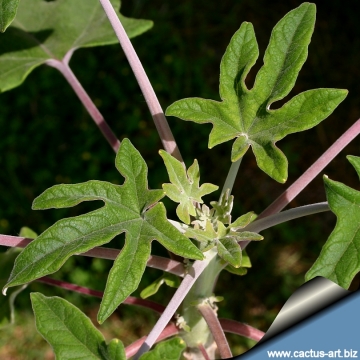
x: 153, y: 104
x: 169, y: 331
x: 291, y: 214
x: 130, y: 300
x: 65, y: 70
x: 217, y: 332
x: 188, y: 281
x: 241, y: 329
x: 292, y: 191
x: 231, y: 177
x: 272, y: 220
x: 157, y: 262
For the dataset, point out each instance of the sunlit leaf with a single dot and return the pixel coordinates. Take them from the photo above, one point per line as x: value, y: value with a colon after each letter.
x: 184, y: 187
x: 246, y: 115
x: 130, y: 208
x: 339, y: 259
x: 70, y: 332
x: 8, y: 10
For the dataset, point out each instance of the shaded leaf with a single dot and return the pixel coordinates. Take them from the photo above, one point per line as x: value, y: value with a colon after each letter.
x: 245, y: 114
x: 53, y: 30
x: 339, y: 260
x: 27, y: 233
x: 130, y: 208
x: 8, y: 10
x: 169, y: 279
x: 168, y: 349
x: 70, y: 332
x: 184, y: 187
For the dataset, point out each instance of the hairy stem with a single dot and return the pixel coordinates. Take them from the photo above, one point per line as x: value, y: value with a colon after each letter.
x: 214, y: 325
x: 291, y: 214
x: 65, y: 70
x: 188, y: 281
x: 153, y: 104
x: 272, y: 220
x: 133, y: 348
x: 292, y: 191
x: 131, y: 300
x: 157, y: 262
x: 231, y: 176
x: 237, y: 328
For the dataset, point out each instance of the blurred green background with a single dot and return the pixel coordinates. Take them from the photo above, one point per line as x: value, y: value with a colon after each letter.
x: 48, y: 138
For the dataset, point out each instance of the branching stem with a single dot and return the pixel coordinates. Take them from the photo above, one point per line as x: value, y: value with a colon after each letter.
x: 65, y: 70
x: 188, y: 281
x: 169, y: 331
x: 157, y: 262
x: 231, y: 177
x: 292, y: 191
x: 130, y: 300
x: 272, y: 220
x: 245, y: 330
x: 214, y: 325
x: 153, y: 104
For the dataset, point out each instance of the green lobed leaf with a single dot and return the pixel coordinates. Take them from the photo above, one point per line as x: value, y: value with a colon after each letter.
x: 184, y: 187
x: 70, y: 332
x: 339, y: 260
x: 37, y: 36
x: 169, y: 349
x: 229, y: 250
x: 245, y: 114
x: 170, y: 280
x: 8, y: 10
x: 130, y: 208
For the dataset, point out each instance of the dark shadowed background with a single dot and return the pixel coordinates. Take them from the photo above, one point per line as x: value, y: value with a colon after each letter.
x: 48, y: 138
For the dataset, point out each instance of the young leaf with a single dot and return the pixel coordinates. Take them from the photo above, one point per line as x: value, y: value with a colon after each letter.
x: 7, y: 13
x: 168, y: 349
x: 130, y: 208
x: 70, y: 332
x: 53, y: 30
x: 245, y: 114
x: 184, y: 187
x: 339, y: 259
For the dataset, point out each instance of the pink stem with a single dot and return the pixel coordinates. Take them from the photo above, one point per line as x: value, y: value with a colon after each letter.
x: 188, y: 281
x: 203, y: 352
x: 131, y: 300
x: 241, y: 329
x: 157, y: 262
x: 65, y: 70
x: 133, y: 348
x: 153, y: 104
x: 312, y: 172
x: 217, y: 331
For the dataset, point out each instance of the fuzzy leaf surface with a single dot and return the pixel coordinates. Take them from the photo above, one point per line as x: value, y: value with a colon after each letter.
x: 169, y: 349
x: 184, y: 187
x: 70, y: 332
x: 7, y: 13
x: 245, y: 114
x: 130, y: 208
x: 37, y: 36
x: 339, y: 260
